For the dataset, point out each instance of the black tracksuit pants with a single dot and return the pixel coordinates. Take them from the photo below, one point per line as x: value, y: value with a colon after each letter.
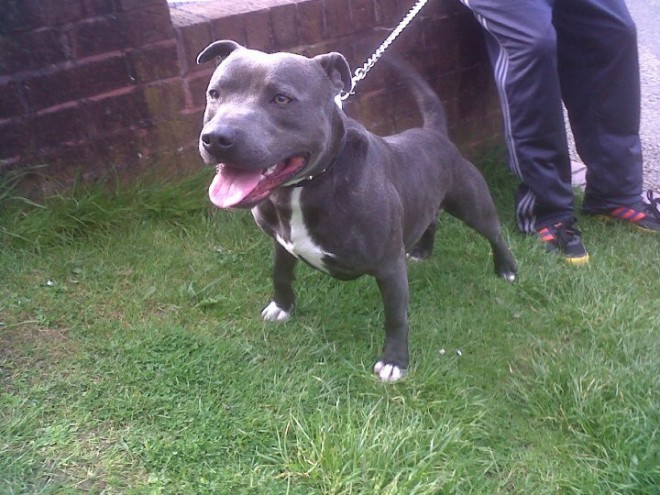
x: 581, y: 52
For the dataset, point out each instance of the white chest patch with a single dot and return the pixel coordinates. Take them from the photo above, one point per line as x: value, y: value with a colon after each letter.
x: 300, y: 244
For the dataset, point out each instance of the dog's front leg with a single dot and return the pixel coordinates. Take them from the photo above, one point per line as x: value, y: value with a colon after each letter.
x: 283, y: 302
x: 393, y: 285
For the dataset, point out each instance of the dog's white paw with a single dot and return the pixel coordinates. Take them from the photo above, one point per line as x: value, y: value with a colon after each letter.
x: 273, y: 312
x: 388, y: 372
x: 509, y: 276
x: 414, y: 258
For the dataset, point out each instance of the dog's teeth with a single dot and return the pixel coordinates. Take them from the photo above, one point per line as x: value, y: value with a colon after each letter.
x: 270, y: 170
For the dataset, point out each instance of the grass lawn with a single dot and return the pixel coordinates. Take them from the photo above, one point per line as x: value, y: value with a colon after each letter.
x: 133, y: 360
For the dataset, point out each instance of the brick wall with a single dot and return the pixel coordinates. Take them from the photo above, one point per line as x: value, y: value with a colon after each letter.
x: 88, y: 86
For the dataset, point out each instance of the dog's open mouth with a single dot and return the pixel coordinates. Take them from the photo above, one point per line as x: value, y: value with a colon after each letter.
x: 233, y: 187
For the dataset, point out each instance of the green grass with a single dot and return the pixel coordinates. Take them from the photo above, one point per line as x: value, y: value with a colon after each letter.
x: 133, y: 360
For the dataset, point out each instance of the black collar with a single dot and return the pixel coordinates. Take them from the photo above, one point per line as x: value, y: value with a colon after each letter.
x: 310, y: 178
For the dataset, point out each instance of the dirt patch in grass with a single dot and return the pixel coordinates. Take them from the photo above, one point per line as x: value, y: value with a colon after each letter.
x: 98, y: 463
x: 29, y: 346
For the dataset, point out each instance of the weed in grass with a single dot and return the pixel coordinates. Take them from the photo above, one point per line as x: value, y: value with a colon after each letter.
x: 144, y: 366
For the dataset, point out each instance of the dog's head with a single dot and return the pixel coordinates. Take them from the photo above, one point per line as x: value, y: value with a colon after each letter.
x: 270, y: 120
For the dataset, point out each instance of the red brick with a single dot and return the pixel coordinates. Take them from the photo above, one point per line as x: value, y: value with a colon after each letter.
x: 188, y: 126
x: 192, y: 40
x: 404, y: 108
x: 351, y: 107
x: 132, y: 126
x: 438, y: 33
x: 183, y: 18
x: 409, y: 39
x: 474, y: 79
x: 125, y: 147
x: 98, y: 35
x: 345, y: 47
x: 471, y: 42
x: 62, y: 126
x: 165, y: 100
x: 442, y: 51
x: 194, y: 13
x: 472, y: 103
x: 99, y: 76
x: 147, y: 24
x: 45, y: 47
x: 470, y: 135
x: 446, y: 85
x: 156, y: 62
x: 364, y: 49
x: 376, y: 113
x: 438, y: 10
x: 285, y: 26
x: 454, y: 8
x: 36, y: 49
x: 364, y: 14
x: 388, y: 12
x: 167, y: 136
x: 13, y: 56
x: 338, y: 18
x: 197, y: 88
x: 18, y: 15
x: 45, y: 89
x: 310, y: 27
x: 259, y: 30
x: 55, y: 12
x: 182, y: 132
x: 405, y: 120
x: 14, y: 138
x: 229, y: 28
x: 119, y: 112
x: 93, y: 8
x: 11, y: 100
x: 175, y: 164
x: 137, y: 4
x: 67, y: 164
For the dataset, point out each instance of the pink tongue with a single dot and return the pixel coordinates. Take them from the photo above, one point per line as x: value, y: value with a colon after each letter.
x: 230, y: 186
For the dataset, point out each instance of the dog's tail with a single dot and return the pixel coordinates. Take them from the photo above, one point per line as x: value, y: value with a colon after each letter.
x: 428, y: 102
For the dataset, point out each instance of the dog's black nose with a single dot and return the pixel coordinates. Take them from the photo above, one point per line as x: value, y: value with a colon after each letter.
x: 219, y: 139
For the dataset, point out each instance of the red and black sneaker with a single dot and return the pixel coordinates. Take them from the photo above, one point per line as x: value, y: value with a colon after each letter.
x: 565, y: 238
x: 645, y: 215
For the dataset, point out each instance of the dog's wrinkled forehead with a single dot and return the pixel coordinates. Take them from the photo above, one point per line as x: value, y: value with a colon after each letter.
x: 248, y: 70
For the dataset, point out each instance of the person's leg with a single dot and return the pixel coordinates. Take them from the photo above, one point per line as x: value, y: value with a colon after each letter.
x: 599, y: 74
x: 522, y: 45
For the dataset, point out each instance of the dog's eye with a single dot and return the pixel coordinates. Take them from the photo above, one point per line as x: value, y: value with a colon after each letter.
x: 280, y: 99
x: 214, y: 94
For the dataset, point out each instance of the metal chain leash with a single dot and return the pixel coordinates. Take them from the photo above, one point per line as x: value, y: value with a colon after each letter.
x: 361, y: 73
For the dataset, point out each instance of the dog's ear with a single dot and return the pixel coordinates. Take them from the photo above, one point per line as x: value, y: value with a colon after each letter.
x: 220, y: 49
x: 336, y: 66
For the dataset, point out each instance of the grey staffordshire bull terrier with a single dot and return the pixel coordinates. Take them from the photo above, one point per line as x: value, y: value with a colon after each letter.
x: 328, y: 191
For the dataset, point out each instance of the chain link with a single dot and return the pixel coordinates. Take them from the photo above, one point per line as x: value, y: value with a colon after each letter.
x: 361, y: 73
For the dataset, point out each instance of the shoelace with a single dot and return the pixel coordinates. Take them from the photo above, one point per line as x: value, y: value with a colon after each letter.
x: 653, y: 206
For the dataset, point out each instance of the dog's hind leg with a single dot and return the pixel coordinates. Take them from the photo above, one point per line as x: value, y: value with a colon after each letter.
x: 484, y: 220
x: 424, y: 247
x: 474, y: 206
x: 283, y: 302
x: 505, y: 266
